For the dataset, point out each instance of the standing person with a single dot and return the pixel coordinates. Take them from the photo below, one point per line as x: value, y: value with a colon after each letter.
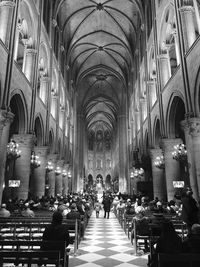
x: 189, y: 212
x: 97, y: 208
x: 107, y: 205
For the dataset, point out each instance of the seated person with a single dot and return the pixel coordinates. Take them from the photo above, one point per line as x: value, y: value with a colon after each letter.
x: 56, y: 231
x: 192, y: 243
x: 4, y: 212
x: 142, y: 225
x: 27, y: 212
x: 168, y: 242
x: 129, y: 209
x: 74, y: 213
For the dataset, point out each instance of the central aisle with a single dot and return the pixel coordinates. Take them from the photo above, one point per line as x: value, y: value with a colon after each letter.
x: 105, y: 244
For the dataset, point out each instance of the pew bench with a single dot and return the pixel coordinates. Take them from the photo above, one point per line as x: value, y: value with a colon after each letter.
x: 179, y: 260
x: 34, y: 246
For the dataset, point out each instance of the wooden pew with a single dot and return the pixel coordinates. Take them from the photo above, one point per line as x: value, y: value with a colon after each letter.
x: 178, y: 260
x: 30, y: 257
x: 25, y: 246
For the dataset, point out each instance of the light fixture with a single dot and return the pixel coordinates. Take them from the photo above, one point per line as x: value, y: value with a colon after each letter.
x: 180, y: 153
x: 58, y: 170
x: 13, y: 150
x: 160, y: 162
x: 69, y: 174
x: 64, y: 173
x: 35, y: 162
x: 137, y: 173
x: 49, y: 166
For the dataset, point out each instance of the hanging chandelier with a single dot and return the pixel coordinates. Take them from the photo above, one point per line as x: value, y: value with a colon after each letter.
x: 58, y: 170
x: 35, y: 162
x: 137, y: 173
x: 160, y: 162
x: 13, y: 150
x: 180, y: 153
x: 64, y: 173
x: 49, y: 166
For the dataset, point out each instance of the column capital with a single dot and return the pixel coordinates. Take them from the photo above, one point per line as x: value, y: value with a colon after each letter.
x: 24, y: 139
x: 45, y: 79
x: 6, y: 117
x: 52, y: 157
x: 187, y: 8
x: 41, y: 150
x: 7, y: 4
x: 194, y: 126
x: 54, y: 22
x: 155, y: 152
x: 169, y: 143
x: 31, y: 51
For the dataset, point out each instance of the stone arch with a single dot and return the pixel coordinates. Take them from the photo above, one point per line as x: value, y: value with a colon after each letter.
x: 157, y: 133
x: 108, y: 181
x: 39, y: 130
x: 166, y: 36
x: 175, y: 114
x: 90, y: 180
x: 19, y: 109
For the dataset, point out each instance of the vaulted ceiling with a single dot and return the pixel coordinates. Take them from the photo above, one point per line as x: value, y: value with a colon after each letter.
x: 100, y: 39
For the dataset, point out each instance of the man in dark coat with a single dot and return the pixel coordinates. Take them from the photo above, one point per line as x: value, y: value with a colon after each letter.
x: 189, y: 213
x: 56, y: 231
x: 107, y: 205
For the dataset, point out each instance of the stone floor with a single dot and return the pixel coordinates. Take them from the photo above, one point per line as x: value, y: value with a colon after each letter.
x: 106, y: 245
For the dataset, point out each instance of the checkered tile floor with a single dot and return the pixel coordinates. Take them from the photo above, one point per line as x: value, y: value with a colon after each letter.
x: 106, y: 245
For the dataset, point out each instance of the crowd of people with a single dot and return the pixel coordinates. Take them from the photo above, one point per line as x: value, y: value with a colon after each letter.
x: 142, y: 209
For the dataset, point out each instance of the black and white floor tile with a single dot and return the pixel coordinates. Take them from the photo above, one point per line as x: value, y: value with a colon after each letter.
x: 106, y: 245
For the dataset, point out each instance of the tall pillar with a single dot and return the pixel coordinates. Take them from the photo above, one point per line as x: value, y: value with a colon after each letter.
x: 30, y: 57
x: 143, y: 103
x: 176, y: 47
x: 38, y: 178
x: 51, y: 177
x: 6, y: 9
x: 187, y: 16
x: 172, y: 167
x: 44, y: 87
x: 190, y: 157
x: 152, y: 92
x: 65, y: 180
x: 122, y: 154
x: 59, y: 179
x: 164, y: 69
x: 194, y: 132
x: 5, y: 120
x: 159, y: 182
x: 80, y: 141
x: 22, y: 166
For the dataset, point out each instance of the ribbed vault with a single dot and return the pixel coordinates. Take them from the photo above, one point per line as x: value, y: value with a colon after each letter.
x: 100, y: 38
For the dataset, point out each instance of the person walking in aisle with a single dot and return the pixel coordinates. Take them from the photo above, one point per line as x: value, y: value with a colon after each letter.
x: 107, y: 205
x: 97, y: 208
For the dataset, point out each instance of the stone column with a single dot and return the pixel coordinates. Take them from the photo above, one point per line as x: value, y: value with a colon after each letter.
x: 51, y: 177
x: 123, y: 185
x: 172, y: 167
x: 22, y: 165
x: 194, y: 132
x: 187, y: 17
x: 159, y: 181
x: 44, y: 87
x: 164, y: 69
x: 65, y: 180
x: 59, y: 179
x: 176, y: 47
x: 143, y: 103
x: 30, y: 57
x: 38, y: 175
x: 152, y: 93
x: 80, y: 140
x: 6, y: 119
x: 6, y: 9
x: 190, y: 157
